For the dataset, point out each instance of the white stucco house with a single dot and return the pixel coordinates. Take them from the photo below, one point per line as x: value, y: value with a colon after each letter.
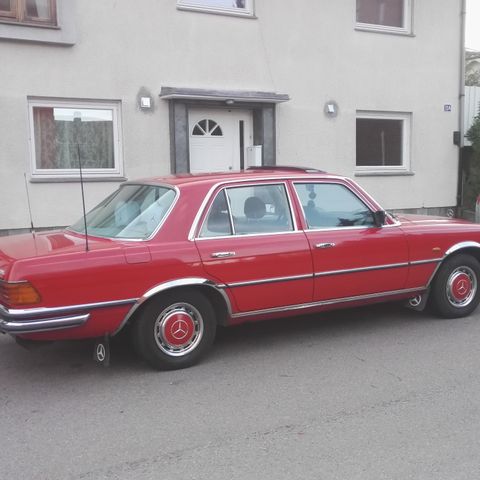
x: 366, y: 88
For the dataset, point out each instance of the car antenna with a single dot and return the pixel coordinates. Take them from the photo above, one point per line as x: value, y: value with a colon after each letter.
x: 32, y: 229
x: 83, y: 196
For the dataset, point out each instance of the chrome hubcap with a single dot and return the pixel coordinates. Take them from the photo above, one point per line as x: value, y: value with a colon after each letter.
x: 178, y: 329
x: 461, y: 286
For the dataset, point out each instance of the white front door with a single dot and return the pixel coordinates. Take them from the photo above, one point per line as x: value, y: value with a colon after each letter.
x: 219, y: 139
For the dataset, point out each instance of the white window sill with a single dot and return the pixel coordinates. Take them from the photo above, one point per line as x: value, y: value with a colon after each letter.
x: 383, y: 173
x: 381, y: 29
x: 76, y: 179
x: 215, y: 11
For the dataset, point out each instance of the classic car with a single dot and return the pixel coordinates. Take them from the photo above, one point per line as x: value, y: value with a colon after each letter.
x: 172, y: 258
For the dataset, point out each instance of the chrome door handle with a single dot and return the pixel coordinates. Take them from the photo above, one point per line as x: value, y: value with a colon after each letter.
x: 223, y: 254
x: 324, y: 245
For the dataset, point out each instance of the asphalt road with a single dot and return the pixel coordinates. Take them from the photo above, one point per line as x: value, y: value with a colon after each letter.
x: 372, y: 393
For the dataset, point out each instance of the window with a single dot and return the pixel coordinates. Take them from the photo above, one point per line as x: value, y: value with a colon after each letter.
x: 233, y: 7
x: 329, y: 205
x: 384, y: 15
x: 41, y: 12
x: 383, y: 141
x: 133, y: 211
x: 207, y: 128
x: 248, y: 210
x: 66, y: 136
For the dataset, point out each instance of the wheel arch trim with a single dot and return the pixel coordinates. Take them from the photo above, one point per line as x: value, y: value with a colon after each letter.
x: 458, y: 247
x: 173, y: 284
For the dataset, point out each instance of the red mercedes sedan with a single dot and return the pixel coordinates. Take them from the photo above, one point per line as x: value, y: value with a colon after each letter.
x: 174, y: 257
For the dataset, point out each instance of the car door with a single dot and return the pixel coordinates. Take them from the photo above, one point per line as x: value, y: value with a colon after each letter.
x: 249, y: 241
x: 352, y: 257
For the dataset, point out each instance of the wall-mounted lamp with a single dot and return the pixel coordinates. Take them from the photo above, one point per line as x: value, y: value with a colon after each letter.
x: 145, y: 103
x: 331, y: 109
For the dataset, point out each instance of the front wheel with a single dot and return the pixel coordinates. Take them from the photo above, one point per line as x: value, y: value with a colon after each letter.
x: 176, y: 330
x: 455, y: 288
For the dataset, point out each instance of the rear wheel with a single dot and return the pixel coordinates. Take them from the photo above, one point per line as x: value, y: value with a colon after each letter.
x: 455, y: 289
x: 175, y: 330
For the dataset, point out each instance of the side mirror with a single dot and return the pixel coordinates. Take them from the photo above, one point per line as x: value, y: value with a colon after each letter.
x: 379, y: 218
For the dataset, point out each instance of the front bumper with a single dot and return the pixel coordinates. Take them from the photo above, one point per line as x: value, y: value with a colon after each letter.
x: 18, y: 322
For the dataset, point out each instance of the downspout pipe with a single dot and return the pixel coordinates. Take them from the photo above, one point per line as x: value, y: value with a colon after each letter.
x: 461, y: 101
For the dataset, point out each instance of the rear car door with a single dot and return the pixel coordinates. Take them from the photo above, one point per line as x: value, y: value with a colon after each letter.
x: 249, y: 241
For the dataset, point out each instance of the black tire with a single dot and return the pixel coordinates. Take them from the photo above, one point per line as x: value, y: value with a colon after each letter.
x: 455, y: 289
x: 175, y: 330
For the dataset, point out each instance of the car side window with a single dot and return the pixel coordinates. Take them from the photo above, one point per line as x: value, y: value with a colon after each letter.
x: 260, y: 209
x: 331, y: 205
x: 252, y: 209
x: 217, y: 223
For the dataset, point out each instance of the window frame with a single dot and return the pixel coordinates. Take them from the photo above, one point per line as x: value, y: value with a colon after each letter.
x: 115, y: 173
x: 248, y: 11
x: 198, y: 226
x: 406, y: 29
x: 371, y: 208
x: 406, y: 118
x: 18, y: 15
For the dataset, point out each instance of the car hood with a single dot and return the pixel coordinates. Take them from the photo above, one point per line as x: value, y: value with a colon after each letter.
x: 45, y: 244
x: 427, y: 220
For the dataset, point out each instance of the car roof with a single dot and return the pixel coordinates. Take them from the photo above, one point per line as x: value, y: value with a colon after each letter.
x: 256, y: 173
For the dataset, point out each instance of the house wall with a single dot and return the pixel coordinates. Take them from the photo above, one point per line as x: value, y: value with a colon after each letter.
x: 310, y: 51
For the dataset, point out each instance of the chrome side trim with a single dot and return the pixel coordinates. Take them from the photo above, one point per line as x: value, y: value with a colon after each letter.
x: 327, y: 302
x: 248, y: 235
x: 46, y: 311
x: 270, y: 280
x: 423, y: 262
x: 361, y: 269
x: 43, y: 325
x: 182, y: 282
x: 327, y: 273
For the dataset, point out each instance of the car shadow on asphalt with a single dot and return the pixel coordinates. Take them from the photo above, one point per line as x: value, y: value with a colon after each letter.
x: 77, y: 356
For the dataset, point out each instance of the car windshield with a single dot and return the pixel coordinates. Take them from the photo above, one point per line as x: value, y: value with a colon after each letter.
x: 133, y: 212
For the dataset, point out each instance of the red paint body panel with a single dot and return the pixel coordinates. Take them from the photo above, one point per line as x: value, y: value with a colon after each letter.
x: 269, y: 275
x: 257, y: 258
x: 358, y: 248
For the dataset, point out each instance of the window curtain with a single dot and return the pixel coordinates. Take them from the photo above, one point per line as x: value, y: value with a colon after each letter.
x: 59, y: 143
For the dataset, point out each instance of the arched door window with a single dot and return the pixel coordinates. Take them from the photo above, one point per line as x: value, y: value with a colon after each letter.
x: 208, y: 128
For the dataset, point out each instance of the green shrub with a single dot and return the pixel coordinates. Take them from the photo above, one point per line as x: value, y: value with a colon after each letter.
x: 473, y: 135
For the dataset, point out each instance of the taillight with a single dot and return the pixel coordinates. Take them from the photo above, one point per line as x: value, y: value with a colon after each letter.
x: 17, y: 294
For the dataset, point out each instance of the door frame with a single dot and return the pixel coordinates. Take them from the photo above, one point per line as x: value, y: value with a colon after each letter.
x: 264, y: 131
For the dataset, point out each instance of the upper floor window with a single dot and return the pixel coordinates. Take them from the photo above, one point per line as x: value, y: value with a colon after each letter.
x: 42, y: 12
x: 69, y: 135
x: 234, y: 7
x: 383, y: 141
x: 384, y: 15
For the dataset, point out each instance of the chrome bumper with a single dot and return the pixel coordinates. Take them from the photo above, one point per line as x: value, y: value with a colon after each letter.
x: 22, y: 321
x: 32, y: 320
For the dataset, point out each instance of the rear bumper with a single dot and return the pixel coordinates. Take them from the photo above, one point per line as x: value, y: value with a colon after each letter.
x: 33, y: 320
x: 29, y: 321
